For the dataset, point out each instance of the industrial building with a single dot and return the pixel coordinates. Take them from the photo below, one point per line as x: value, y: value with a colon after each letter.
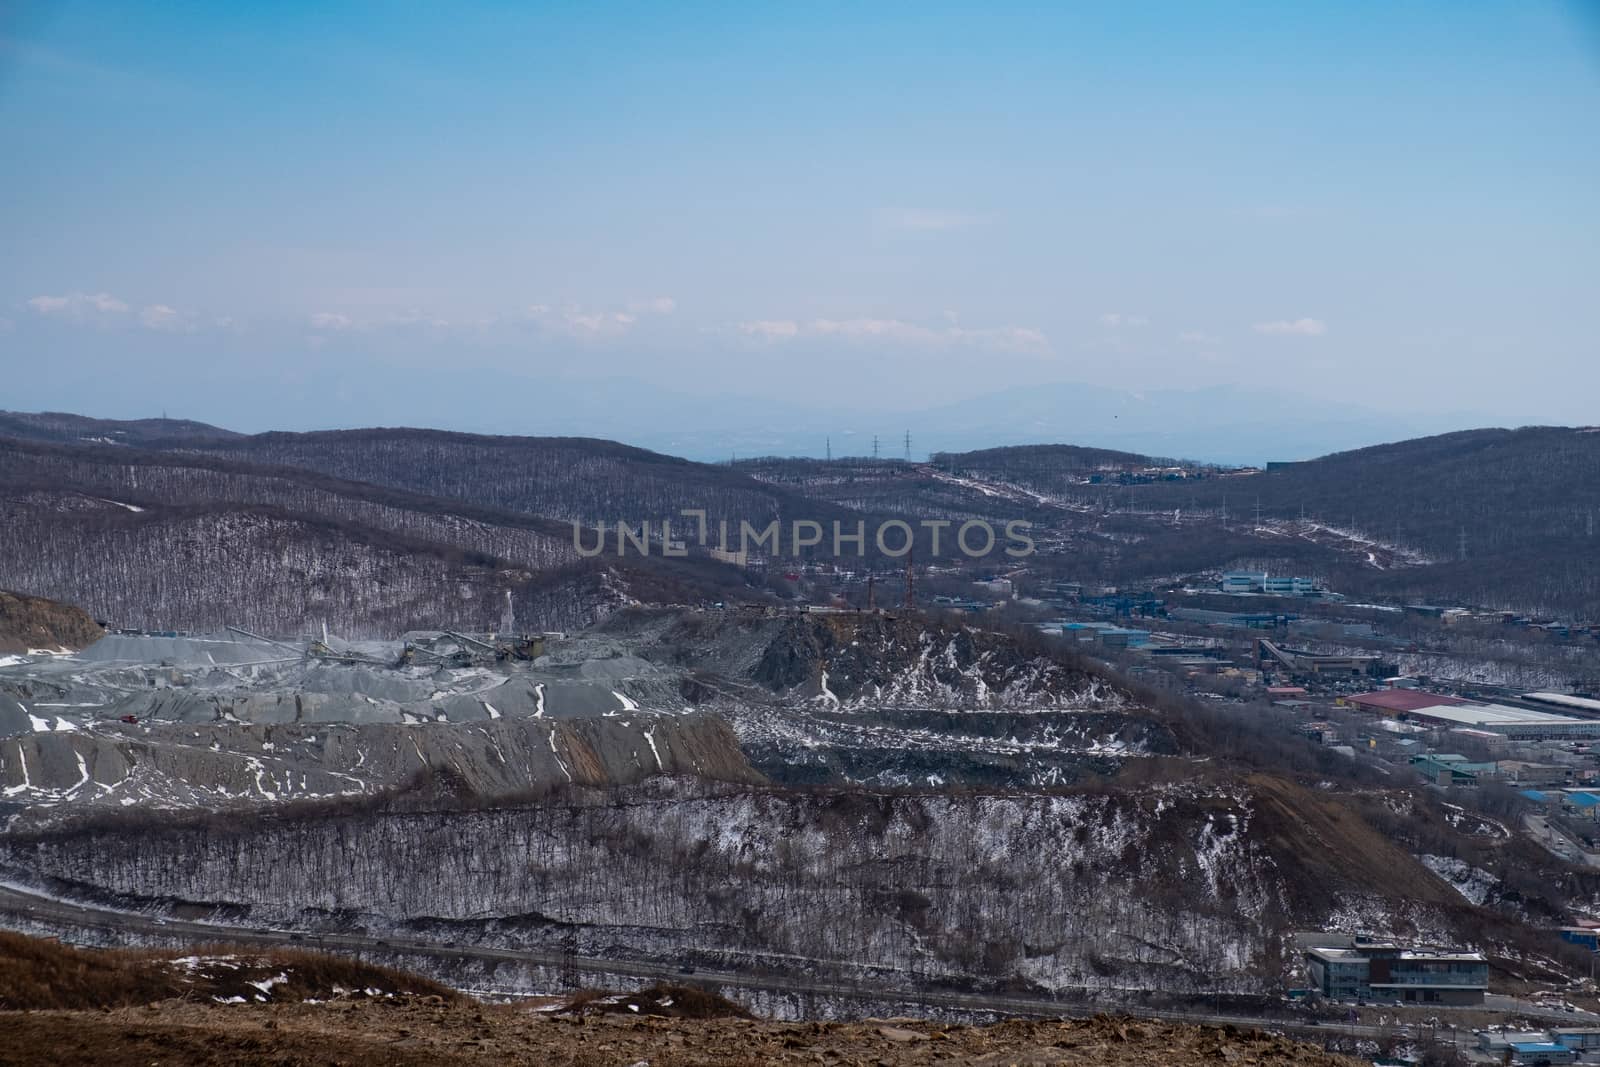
x: 1516, y: 724
x: 1398, y: 701
x: 1575, y: 705
x: 1244, y: 582
x: 1540, y: 1048
x: 1299, y: 663
x: 1393, y: 973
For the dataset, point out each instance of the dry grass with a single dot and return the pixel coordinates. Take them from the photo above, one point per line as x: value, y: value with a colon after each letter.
x: 40, y: 974
x: 36, y: 973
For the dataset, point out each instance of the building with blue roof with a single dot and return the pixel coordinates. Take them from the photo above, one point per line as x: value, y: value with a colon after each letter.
x: 1541, y: 1053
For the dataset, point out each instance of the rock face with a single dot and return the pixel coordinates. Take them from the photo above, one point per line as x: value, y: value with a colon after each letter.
x: 897, y: 700
x: 912, y: 661
x: 221, y: 764
x: 28, y: 622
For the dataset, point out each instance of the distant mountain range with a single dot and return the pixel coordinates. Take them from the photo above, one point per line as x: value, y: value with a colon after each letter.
x: 1220, y: 424
x: 179, y: 524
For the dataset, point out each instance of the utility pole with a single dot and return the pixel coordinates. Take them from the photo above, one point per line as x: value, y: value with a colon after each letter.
x: 829, y: 447
x: 872, y: 601
x: 908, y: 446
x: 1461, y: 544
x: 911, y: 588
x: 874, y: 446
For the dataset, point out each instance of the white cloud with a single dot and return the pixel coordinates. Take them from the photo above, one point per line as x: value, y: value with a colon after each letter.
x: 162, y: 317
x: 772, y: 329
x: 925, y: 220
x: 1114, y: 319
x: 656, y: 305
x: 589, y: 324
x: 330, y: 320
x: 893, y: 329
x: 898, y: 331
x: 1198, y: 337
x: 1306, y: 327
x: 77, y: 304
x: 414, y: 317
x: 586, y: 324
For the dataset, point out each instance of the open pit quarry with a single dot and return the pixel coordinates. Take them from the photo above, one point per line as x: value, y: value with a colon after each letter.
x: 163, y: 720
x: 839, y: 802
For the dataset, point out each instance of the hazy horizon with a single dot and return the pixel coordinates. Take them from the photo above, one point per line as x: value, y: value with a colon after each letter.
x: 548, y: 220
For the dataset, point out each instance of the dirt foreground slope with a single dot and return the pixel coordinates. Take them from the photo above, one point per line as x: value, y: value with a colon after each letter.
x: 414, y: 1030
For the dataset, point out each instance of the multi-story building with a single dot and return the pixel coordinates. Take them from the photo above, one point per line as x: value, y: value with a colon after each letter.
x: 1270, y: 584
x: 1284, y: 585
x: 1393, y: 973
x: 1243, y: 582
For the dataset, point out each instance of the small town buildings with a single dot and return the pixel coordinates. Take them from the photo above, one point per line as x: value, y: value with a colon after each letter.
x: 1563, y: 1044
x: 1581, y: 1038
x: 1541, y: 1053
x: 1533, y: 775
x: 1451, y: 769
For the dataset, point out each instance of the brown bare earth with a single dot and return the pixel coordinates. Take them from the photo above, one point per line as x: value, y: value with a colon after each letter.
x: 41, y: 974
x: 411, y: 1030
x: 63, y: 1006
x: 34, y: 622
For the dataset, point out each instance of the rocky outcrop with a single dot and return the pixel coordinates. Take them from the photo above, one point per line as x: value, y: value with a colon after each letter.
x: 28, y: 622
x: 220, y: 764
x: 913, y: 661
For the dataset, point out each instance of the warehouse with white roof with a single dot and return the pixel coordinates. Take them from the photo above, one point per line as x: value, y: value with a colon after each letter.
x: 1518, y: 724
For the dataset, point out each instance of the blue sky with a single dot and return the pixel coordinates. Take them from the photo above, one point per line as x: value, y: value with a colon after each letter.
x: 291, y: 215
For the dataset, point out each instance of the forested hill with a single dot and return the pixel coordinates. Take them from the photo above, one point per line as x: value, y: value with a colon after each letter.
x: 66, y: 428
x: 564, y: 478
x: 187, y: 541
x: 1497, y: 518
x: 1507, y: 516
x: 1044, y: 460
x: 1509, y: 490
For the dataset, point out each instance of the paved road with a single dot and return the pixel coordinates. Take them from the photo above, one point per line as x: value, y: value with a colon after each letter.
x: 1557, y: 842
x: 20, y: 900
